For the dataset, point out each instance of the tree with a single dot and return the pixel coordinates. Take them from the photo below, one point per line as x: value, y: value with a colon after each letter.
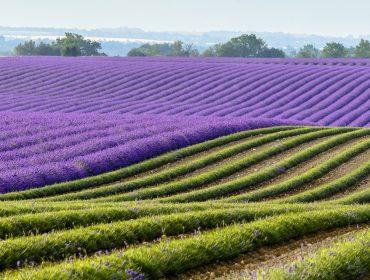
x: 70, y: 45
x: 70, y: 50
x: 136, y: 52
x: 272, y: 52
x: 334, y: 49
x: 209, y: 52
x: 27, y: 48
x: 162, y: 49
x: 46, y: 49
x: 362, y: 49
x: 308, y: 51
x: 244, y: 46
x: 178, y: 48
x: 74, y: 45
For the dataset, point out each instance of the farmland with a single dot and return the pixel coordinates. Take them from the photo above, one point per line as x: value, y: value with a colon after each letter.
x: 184, y: 168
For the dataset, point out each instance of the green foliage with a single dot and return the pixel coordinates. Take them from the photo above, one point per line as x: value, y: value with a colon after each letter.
x: 70, y: 50
x: 308, y: 51
x: 70, y: 45
x: 242, y: 46
x: 210, y: 52
x: 43, y: 222
x: 27, y: 48
x: 362, y: 49
x: 310, y: 175
x: 272, y: 52
x: 347, y: 259
x: 335, y: 50
x: 175, y: 256
x: 360, y: 196
x: 245, y: 182
x: 87, y: 240
x: 163, y: 49
x: 75, y: 45
x: 334, y: 187
x: 246, y: 45
x: 177, y: 48
x: 137, y: 52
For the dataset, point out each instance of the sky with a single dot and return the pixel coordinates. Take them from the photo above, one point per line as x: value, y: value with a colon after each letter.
x: 322, y: 17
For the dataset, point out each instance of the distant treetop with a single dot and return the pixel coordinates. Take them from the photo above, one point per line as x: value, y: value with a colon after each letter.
x: 70, y: 45
x: 177, y: 48
x: 246, y: 45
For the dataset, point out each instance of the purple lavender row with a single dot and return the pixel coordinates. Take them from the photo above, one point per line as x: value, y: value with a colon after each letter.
x: 64, y: 159
x: 288, y: 89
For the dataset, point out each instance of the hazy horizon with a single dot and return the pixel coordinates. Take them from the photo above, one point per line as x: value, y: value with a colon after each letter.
x: 327, y: 18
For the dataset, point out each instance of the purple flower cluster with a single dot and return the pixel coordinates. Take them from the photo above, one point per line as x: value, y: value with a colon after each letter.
x: 68, y: 118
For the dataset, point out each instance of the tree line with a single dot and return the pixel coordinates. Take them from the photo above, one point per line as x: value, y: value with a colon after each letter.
x: 333, y: 49
x: 70, y: 45
x: 242, y: 46
x: 246, y: 45
x: 249, y: 45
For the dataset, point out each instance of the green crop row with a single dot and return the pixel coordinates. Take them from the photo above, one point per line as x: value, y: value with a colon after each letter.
x: 176, y: 256
x: 308, y: 176
x: 62, y: 244
x: 138, y: 168
x: 187, y: 167
x: 362, y: 196
x: 13, y: 208
x: 217, y: 173
x: 267, y: 173
x: 334, y: 187
x: 45, y: 222
x: 348, y: 259
x: 37, y: 223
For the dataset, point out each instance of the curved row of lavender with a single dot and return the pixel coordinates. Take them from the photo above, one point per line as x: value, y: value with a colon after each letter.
x: 67, y: 118
x: 43, y: 148
x: 335, y: 94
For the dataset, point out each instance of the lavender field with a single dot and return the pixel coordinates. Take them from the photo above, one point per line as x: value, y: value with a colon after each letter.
x: 90, y: 115
x: 325, y: 92
x: 184, y: 168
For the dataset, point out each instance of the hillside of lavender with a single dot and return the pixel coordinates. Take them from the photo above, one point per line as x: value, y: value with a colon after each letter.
x: 68, y: 118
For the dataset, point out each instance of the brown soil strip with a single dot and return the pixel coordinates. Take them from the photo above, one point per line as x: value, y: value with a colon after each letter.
x: 264, y: 258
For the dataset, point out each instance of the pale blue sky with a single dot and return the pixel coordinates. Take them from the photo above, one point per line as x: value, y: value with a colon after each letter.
x: 326, y: 17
